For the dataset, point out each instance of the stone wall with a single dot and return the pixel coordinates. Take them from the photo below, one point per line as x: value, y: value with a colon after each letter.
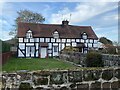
x: 111, y: 60
x: 74, y: 57
x: 78, y: 58
x: 87, y: 79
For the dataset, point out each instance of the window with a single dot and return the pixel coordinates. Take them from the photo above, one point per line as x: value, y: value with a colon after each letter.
x: 55, y: 49
x: 41, y: 39
x: 32, y: 50
x: 55, y: 34
x: 84, y: 36
x: 29, y: 34
x: 37, y: 39
x: 20, y: 39
x: 68, y: 40
x: 47, y: 39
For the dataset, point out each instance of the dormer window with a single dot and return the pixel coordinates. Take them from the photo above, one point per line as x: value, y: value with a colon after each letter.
x: 84, y: 35
x: 29, y: 34
x: 56, y: 34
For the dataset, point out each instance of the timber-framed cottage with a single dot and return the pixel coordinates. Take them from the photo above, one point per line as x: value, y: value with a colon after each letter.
x: 43, y: 40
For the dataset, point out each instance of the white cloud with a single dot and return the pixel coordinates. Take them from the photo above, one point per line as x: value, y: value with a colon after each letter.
x: 113, y: 17
x: 3, y: 22
x: 4, y: 35
x: 83, y: 11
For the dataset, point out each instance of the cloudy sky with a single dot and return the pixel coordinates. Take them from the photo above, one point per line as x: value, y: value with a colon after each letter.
x: 102, y: 16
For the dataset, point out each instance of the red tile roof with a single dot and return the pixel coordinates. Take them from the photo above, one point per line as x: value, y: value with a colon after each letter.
x: 46, y: 30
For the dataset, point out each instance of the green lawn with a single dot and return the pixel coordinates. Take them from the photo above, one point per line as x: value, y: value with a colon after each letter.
x: 15, y: 64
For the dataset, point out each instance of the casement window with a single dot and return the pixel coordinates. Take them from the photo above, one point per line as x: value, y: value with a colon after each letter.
x: 84, y: 36
x: 20, y: 39
x: 57, y: 40
x: 55, y: 48
x: 50, y: 45
x: 26, y: 40
x: 63, y: 40
x: 73, y: 40
x: 29, y: 34
x: 32, y: 49
x: 77, y: 40
x: 41, y: 39
x: 68, y: 40
x: 47, y: 39
x: 31, y: 40
x: 91, y: 40
x: 56, y: 34
x: 36, y: 39
x: 52, y: 40
x: 95, y: 41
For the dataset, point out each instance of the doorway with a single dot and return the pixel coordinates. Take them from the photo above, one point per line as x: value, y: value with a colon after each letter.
x: 43, y: 52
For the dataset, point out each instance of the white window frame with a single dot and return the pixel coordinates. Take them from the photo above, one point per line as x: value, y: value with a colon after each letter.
x: 56, y: 34
x: 84, y: 36
x: 29, y: 34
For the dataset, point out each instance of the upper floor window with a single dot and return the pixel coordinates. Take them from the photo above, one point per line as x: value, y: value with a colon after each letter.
x: 56, y: 34
x: 29, y: 34
x: 84, y: 35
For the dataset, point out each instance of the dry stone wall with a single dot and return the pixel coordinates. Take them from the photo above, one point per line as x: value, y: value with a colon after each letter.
x: 78, y: 59
x: 111, y: 60
x: 83, y: 79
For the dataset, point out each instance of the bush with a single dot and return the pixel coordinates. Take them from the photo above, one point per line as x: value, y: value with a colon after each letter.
x: 94, y: 59
x: 5, y: 46
x: 70, y: 48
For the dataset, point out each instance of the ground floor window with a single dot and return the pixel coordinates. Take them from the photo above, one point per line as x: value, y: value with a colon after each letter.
x: 55, y: 48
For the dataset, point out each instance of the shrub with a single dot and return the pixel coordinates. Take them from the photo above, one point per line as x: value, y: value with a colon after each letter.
x: 70, y: 48
x: 94, y: 59
x: 5, y: 46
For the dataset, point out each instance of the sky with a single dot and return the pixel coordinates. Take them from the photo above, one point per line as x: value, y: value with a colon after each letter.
x: 101, y: 16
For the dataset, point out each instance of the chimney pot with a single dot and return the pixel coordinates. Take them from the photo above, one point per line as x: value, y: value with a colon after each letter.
x: 65, y: 22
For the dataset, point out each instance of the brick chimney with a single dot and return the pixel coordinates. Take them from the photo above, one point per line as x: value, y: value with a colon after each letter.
x: 65, y: 22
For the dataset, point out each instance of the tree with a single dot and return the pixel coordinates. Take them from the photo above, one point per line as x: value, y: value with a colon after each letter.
x: 26, y: 16
x: 30, y: 17
x: 105, y: 41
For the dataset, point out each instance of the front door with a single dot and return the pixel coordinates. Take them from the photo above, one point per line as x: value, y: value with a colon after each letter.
x: 30, y: 51
x: 55, y: 50
x: 43, y: 52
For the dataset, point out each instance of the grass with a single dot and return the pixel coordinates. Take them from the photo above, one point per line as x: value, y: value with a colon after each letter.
x: 15, y: 64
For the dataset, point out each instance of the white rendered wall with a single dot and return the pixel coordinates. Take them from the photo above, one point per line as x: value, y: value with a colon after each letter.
x: 22, y: 45
x: 20, y: 54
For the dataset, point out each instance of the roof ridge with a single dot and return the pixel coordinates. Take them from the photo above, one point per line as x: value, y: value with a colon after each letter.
x: 52, y: 24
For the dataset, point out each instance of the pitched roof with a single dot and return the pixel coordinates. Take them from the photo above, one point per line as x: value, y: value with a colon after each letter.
x: 46, y: 30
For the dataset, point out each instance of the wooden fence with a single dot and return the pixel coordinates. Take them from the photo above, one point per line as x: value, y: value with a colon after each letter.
x: 4, y: 57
